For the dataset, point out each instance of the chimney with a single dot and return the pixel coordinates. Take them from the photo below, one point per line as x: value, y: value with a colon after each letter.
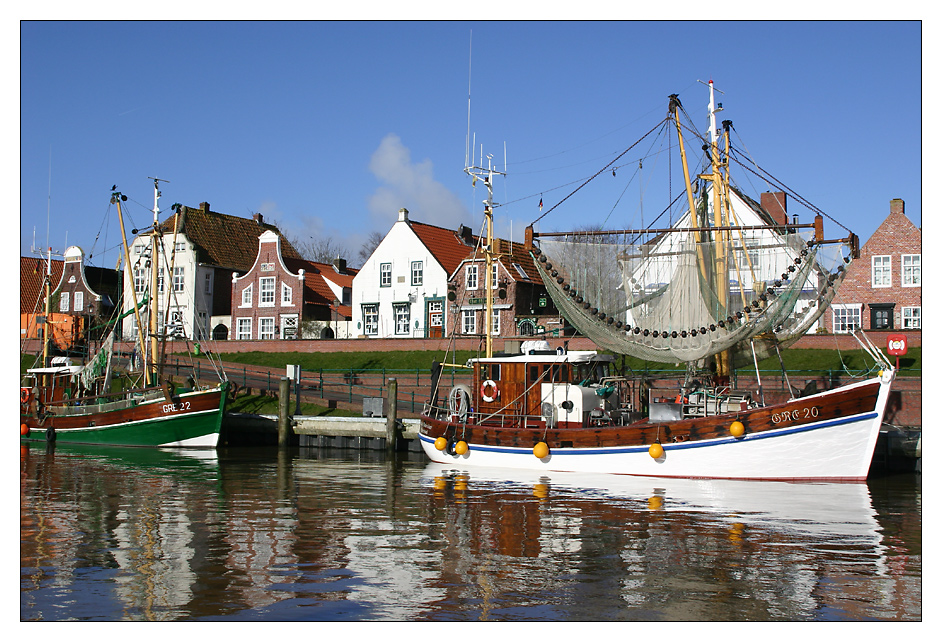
x: 257, y: 217
x: 340, y: 265
x: 776, y: 205
x: 204, y: 207
x: 404, y: 215
x: 897, y: 206
x: 464, y: 234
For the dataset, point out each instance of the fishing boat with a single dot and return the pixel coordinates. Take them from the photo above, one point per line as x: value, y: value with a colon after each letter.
x: 75, y: 403
x: 728, y: 283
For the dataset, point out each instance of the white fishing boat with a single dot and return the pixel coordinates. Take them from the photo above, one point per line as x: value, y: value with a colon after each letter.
x: 731, y: 281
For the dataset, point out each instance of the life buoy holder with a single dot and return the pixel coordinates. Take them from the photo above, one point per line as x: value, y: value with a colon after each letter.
x: 489, y: 384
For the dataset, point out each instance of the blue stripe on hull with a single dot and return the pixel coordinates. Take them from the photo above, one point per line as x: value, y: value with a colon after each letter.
x: 771, y: 434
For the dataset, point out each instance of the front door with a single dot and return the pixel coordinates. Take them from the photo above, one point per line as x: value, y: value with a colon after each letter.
x: 434, y: 318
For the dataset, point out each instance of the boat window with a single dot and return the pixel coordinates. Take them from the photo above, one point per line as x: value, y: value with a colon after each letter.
x: 589, y: 373
x: 490, y: 371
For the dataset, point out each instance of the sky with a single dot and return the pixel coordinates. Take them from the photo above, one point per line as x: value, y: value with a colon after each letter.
x: 328, y: 128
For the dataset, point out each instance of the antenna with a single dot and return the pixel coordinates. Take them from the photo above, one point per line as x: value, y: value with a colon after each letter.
x: 467, y: 140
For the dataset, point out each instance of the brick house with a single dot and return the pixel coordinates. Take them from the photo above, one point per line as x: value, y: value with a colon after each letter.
x: 522, y: 306
x: 290, y: 298
x: 207, y: 248
x: 883, y: 288
x: 401, y: 289
x: 82, y: 298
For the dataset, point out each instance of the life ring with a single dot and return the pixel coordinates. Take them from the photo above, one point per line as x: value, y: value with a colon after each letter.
x: 489, y: 384
x: 25, y: 395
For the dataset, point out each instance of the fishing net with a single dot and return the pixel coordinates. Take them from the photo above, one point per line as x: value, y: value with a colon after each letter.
x: 658, y: 297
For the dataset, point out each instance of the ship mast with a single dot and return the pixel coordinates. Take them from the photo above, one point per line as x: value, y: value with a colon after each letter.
x: 155, y: 269
x: 489, y: 254
x: 720, y: 219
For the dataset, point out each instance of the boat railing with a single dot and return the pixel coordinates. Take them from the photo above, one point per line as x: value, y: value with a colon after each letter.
x: 490, y: 420
x: 145, y: 394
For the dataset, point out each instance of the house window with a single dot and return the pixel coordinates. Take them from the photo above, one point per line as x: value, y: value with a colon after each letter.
x: 247, y: 297
x: 371, y: 318
x: 175, y: 327
x: 201, y: 329
x: 179, y: 247
x: 208, y: 284
x: 881, y: 272
x: 846, y: 318
x: 912, y: 270
x: 493, y: 276
x: 244, y: 329
x: 178, y: 276
x: 266, y: 291
x: 495, y: 323
x: 79, y: 301
x: 285, y: 294
x: 912, y: 318
x: 385, y: 275
x: 266, y: 328
x: 526, y: 328
x: 471, y: 277
x: 469, y: 323
x: 401, y: 312
x: 64, y: 302
x: 417, y: 273
x: 139, y: 281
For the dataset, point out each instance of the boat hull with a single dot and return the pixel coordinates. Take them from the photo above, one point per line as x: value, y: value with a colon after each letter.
x: 828, y: 436
x: 190, y: 420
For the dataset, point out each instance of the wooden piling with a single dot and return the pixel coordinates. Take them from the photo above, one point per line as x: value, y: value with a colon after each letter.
x: 391, y: 427
x: 284, y: 402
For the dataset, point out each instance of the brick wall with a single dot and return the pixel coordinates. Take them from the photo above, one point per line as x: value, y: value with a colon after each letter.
x: 895, y: 237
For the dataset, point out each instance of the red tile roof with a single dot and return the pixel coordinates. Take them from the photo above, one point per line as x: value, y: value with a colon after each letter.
x: 316, y: 289
x: 32, y: 273
x: 446, y: 246
x: 225, y: 240
x: 510, y: 253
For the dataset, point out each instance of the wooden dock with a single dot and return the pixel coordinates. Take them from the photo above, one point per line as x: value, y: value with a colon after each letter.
x: 361, y: 433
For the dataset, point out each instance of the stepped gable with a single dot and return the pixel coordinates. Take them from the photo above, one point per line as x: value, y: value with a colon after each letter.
x: 224, y: 240
x: 32, y: 272
x: 448, y: 247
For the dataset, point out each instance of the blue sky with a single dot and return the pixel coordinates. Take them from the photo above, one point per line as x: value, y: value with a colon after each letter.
x: 328, y: 128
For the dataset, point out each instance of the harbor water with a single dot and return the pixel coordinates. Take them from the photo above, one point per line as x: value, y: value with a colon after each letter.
x: 249, y: 534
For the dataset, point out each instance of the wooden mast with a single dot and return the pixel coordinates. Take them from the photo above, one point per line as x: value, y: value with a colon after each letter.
x: 116, y: 198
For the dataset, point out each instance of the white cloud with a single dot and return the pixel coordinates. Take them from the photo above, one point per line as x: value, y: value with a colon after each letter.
x: 410, y: 185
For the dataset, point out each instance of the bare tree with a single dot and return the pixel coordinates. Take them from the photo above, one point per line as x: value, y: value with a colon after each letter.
x: 369, y: 246
x: 322, y: 250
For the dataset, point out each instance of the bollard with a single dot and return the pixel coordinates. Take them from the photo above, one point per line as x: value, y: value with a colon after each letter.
x: 284, y: 400
x: 391, y: 416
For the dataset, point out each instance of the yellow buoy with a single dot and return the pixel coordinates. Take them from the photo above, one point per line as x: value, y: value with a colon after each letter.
x: 461, y: 447
x: 541, y: 450
x: 736, y: 429
x: 655, y: 502
x: 440, y: 443
x: 656, y: 451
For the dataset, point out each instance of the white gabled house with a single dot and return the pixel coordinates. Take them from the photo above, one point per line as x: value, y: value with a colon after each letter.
x: 401, y: 290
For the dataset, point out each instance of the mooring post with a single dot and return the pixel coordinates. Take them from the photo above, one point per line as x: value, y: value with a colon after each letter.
x: 284, y: 401
x: 391, y: 427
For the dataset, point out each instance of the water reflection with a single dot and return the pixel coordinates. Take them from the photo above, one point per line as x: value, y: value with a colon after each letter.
x: 128, y: 534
